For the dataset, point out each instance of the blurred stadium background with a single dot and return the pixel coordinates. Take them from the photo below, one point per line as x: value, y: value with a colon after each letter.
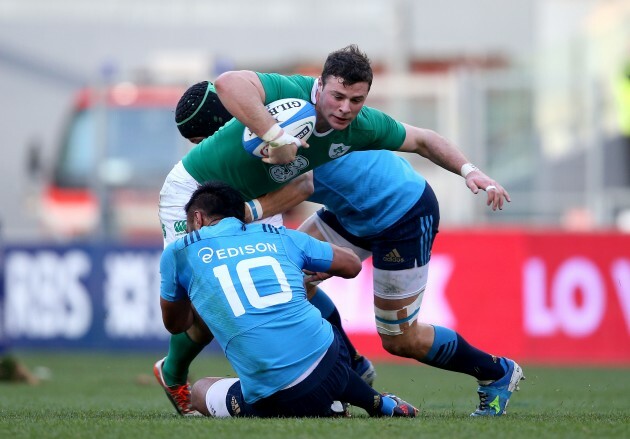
x: 535, y: 92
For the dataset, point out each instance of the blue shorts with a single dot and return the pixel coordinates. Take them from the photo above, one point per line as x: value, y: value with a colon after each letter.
x: 405, y: 244
x: 310, y: 398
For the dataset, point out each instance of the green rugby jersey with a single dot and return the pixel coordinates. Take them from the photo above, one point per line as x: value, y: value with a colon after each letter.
x: 222, y: 156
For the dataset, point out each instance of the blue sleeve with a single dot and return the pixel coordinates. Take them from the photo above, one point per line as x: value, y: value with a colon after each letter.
x: 170, y: 288
x: 309, y: 253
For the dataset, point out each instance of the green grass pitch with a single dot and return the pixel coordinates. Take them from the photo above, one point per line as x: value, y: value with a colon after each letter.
x: 93, y: 395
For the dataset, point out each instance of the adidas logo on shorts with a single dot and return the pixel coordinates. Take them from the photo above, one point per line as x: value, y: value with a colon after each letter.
x: 236, y: 409
x: 393, y: 256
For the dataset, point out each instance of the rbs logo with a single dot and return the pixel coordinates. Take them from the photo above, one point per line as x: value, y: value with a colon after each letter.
x: 75, y: 294
x: 45, y: 297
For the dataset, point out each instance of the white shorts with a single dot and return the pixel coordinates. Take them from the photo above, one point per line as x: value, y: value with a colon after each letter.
x: 332, y: 236
x: 174, y: 195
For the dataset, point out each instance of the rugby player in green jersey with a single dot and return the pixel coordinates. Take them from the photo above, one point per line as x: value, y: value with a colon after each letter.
x: 343, y: 125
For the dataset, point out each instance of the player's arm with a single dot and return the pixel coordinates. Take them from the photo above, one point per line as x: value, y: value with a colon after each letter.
x: 345, y: 263
x: 177, y: 311
x: 177, y: 316
x: 321, y: 260
x: 440, y: 151
x: 281, y: 200
x: 243, y: 95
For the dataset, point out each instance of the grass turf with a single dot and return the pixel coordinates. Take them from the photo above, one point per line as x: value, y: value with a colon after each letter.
x: 115, y: 396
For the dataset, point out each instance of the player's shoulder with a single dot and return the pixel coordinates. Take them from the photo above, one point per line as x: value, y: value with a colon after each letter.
x: 268, y: 228
x: 279, y: 86
x: 183, y: 242
x: 295, y: 78
x: 301, y: 239
x: 276, y: 230
x: 304, y: 81
x: 170, y: 248
x: 170, y: 252
x: 369, y: 118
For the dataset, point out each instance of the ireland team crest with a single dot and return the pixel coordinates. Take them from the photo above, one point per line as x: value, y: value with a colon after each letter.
x: 282, y: 173
x: 337, y: 150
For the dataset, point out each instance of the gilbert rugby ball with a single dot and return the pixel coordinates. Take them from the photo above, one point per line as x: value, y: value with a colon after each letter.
x: 295, y: 116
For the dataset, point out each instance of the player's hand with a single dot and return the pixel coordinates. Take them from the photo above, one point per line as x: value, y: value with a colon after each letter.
x: 315, y: 278
x: 283, y: 154
x: 477, y: 180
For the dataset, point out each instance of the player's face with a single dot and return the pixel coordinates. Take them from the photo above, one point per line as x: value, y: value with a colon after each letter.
x: 338, y: 104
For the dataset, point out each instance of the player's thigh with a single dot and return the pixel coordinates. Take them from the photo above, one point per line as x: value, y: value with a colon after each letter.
x: 318, y: 228
x: 175, y: 193
x: 400, y: 256
x: 198, y: 394
x: 397, y: 298
x: 199, y: 331
x: 314, y: 395
x: 220, y: 398
x: 309, y: 226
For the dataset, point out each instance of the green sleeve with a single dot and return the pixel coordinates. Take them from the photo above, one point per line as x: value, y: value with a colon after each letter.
x: 387, y: 132
x: 278, y: 86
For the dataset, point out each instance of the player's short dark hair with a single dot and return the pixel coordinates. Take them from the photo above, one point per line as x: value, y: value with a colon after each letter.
x: 199, y: 112
x: 217, y: 198
x: 349, y: 64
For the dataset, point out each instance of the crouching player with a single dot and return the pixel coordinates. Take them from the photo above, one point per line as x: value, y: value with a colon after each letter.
x: 244, y: 284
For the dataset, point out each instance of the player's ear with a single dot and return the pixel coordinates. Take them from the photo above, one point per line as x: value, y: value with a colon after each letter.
x: 196, y: 221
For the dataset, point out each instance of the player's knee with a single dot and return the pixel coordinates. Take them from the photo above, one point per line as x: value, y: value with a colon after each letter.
x: 397, y: 322
x: 199, y: 331
x: 401, y: 345
x: 202, y: 391
x: 414, y: 343
x: 209, y: 396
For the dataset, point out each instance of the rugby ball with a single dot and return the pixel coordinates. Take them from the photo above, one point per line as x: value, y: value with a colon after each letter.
x: 295, y: 116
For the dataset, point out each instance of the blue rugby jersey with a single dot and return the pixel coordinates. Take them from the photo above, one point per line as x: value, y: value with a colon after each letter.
x: 247, y: 285
x: 368, y: 191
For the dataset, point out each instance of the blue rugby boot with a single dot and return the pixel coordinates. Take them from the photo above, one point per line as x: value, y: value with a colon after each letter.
x: 402, y: 409
x: 494, y: 396
x: 365, y: 369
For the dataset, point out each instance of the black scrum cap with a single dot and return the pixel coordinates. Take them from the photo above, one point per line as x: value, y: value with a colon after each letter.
x: 199, y: 112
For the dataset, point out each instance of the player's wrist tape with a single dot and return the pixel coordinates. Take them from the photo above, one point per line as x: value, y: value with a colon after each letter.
x: 284, y: 139
x: 272, y: 133
x: 255, y: 209
x: 467, y: 168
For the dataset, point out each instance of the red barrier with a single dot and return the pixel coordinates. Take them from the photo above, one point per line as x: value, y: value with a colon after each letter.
x: 539, y: 297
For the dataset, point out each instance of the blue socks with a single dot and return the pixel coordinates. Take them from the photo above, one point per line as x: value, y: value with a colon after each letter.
x: 451, y: 352
x: 323, y: 303
x: 329, y: 312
